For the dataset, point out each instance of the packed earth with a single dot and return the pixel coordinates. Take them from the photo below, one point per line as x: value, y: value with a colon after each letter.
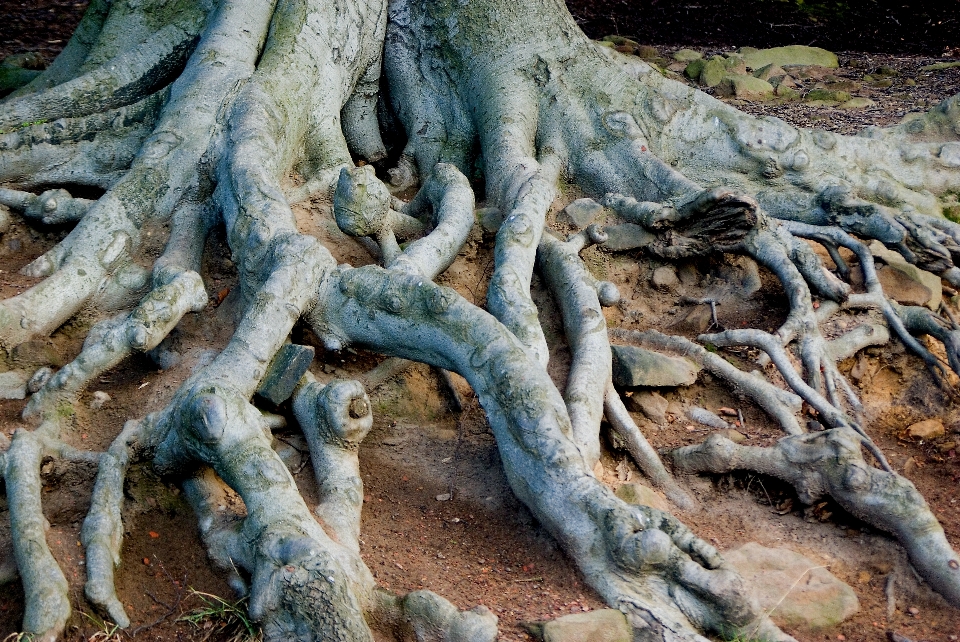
x: 188, y: 414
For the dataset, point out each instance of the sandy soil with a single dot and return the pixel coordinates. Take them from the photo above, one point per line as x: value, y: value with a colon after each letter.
x: 438, y: 513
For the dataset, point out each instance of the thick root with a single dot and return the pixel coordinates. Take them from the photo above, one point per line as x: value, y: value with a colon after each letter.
x: 830, y: 463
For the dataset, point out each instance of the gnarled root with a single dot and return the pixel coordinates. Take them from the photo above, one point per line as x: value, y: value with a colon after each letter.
x: 830, y: 463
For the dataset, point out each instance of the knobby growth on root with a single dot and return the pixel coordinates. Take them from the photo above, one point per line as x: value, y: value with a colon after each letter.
x: 190, y: 115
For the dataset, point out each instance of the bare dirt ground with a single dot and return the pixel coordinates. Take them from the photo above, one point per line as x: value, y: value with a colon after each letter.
x: 438, y: 513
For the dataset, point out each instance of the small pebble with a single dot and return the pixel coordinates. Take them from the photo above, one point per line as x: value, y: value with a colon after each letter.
x: 914, y: 611
x: 445, y: 497
x: 100, y: 398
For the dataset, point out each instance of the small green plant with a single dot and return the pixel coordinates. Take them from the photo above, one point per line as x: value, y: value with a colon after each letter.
x: 230, y: 617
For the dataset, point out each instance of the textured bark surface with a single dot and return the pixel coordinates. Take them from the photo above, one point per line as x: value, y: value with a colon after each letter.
x: 191, y: 115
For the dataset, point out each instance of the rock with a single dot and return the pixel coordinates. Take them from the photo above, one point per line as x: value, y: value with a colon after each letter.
x: 927, y: 279
x: 665, y: 278
x: 884, y: 70
x: 826, y: 95
x: 901, y: 288
x: 646, y: 52
x: 626, y: 237
x: 787, y: 92
x: 817, y: 601
x: 641, y: 495
x: 735, y: 65
x: 100, y: 399
x: 769, y: 71
x: 791, y: 55
x: 687, y: 55
x: 291, y: 450
x: 581, y: 212
x: 707, y: 418
x: 745, y: 87
x: 13, y: 384
x: 857, y: 102
x: 696, y: 321
x: 602, y: 625
x: 5, y: 218
x: 285, y: 371
x: 651, y: 404
x: 490, y: 218
x: 694, y: 68
x: 927, y: 430
x: 633, y: 366
x: 735, y: 436
x: 713, y: 72
x: 940, y: 66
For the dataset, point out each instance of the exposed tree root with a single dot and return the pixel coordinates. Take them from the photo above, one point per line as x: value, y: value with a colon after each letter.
x: 194, y: 115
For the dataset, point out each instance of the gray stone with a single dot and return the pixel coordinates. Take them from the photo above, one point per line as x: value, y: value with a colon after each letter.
x: 626, y: 237
x: 633, y: 366
x: 713, y: 72
x: 602, y: 625
x: 735, y: 64
x: 665, y: 278
x: 791, y: 55
x: 13, y: 384
x: 687, y: 55
x: 100, y: 399
x: 797, y: 591
x: 284, y: 372
x: 651, y: 404
x: 581, y: 213
x: 642, y: 495
x: 490, y: 218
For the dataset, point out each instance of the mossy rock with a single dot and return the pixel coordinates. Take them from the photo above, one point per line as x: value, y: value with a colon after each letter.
x: 713, y: 72
x: 687, y: 55
x: 791, y: 55
x: 826, y: 95
x: 694, y: 69
x: 745, y: 87
x: 857, y: 102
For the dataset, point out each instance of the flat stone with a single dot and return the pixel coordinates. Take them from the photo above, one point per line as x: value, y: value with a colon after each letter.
x: 791, y: 55
x: 901, y: 288
x: 665, y: 278
x: 797, y: 591
x: 602, y: 625
x: 642, y: 495
x: 633, y: 366
x: 626, y: 236
x: 285, y: 371
x: 827, y: 95
x: 745, y: 87
x: 651, y: 404
x: 581, y: 213
x: 13, y: 384
x: 928, y: 279
x: 928, y: 429
x: 713, y: 71
x: 687, y: 55
x: 857, y: 102
x: 735, y: 436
